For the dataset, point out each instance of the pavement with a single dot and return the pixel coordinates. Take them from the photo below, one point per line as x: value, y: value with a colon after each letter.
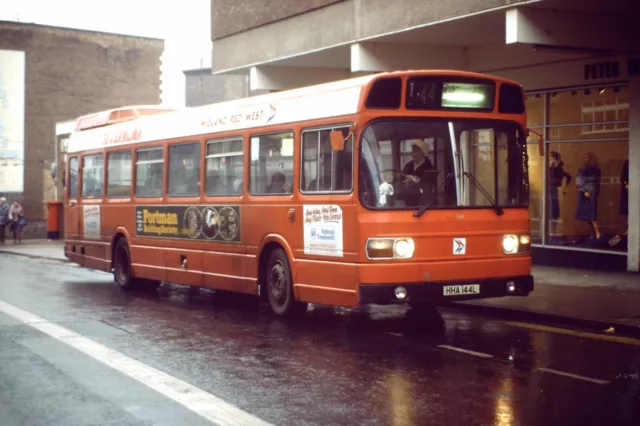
x: 88, y: 354
x: 593, y: 299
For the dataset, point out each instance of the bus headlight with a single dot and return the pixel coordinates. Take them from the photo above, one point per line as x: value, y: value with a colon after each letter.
x: 404, y: 248
x: 512, y: 244
x: 390, y: 248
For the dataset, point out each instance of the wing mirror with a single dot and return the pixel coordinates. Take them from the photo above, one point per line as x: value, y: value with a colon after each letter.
x: 338, y: 139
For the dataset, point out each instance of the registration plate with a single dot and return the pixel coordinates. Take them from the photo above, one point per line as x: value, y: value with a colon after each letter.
x: 460, y: 290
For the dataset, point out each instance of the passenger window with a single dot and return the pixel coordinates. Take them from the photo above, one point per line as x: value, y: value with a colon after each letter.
x: 184, y: 170
x: 92, y: 175
x: 272, y: 164
x: 149, y: 172
x: 325, y: 170
x: 225, y: 167
x: 73, y: 178
x: 119, y: 174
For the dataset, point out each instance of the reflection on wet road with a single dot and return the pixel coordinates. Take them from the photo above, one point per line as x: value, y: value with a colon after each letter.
x: 381, y: 365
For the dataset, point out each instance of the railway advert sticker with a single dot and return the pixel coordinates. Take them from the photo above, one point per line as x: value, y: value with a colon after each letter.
x: 323, y: 232
x: 209, y: 222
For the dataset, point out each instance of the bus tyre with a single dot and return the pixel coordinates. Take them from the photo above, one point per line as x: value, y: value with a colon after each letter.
x: 280, y: 285
x: 122, y: 270
x: 122, y: 265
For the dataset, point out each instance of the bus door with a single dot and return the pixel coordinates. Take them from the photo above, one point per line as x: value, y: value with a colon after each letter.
x: 328, y: 242
x: 72, y: 216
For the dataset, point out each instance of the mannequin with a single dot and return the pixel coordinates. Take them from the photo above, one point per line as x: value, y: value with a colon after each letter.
x: 624, y: 200
x: 588, y: 185
x: 557, y: 175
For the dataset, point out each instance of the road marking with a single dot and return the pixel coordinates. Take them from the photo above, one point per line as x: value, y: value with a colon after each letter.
x: 394, y: 334
x: 584, y: 334
x: 573, y: 376
x: 200, y: 402
x: 466, y: 351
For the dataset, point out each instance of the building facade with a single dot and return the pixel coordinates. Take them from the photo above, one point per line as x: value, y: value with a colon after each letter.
x: 578, y: 60
x: 49, y: 75
x: 204, y: 88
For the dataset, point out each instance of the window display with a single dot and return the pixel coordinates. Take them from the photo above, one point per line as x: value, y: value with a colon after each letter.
x: 586, y: 191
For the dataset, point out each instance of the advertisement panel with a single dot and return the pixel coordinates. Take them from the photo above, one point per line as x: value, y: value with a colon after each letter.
x: 209, y: 223
x: 323, y: 230
x: 91, y: 222
x: 12, y: 104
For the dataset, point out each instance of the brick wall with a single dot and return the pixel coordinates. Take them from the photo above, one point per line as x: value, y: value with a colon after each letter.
x: 70, y: 73
x: 232, y: 16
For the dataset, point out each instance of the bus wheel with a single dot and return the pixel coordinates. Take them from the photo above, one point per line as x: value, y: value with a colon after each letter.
x: 122, y: 265
x: 122, y: 270
x: 280, y: 285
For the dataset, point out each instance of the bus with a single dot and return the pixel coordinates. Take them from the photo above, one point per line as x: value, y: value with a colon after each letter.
x: 407, y: 187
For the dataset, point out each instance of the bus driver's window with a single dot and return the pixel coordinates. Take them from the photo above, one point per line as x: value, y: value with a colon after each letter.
x: 271, y: 164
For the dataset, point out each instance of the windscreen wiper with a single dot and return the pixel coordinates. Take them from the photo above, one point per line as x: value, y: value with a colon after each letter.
x: 499, y: 211
x: 423, y: 208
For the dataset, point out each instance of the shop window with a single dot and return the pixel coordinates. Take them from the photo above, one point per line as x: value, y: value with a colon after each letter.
x: 325, y: 170
x: 119, y: 170
x: 184, y: 170
x: 225, y: 167
x: 591, y: 107
x: 536, y: 189
x: 92, y: 176
x: 73, y: 178
x: 272, y: 164
x: 606, y: 115
x: 587, y: 198
x: 149, y: 172
x: 535, y: 110
x: 587, y: 123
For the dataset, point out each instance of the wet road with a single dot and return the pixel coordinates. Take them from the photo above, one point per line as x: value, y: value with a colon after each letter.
x: 74, y: 350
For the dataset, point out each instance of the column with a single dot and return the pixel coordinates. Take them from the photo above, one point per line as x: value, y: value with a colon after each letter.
x: 633, y: 260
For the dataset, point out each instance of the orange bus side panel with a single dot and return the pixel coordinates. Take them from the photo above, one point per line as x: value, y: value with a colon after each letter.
x: 326, y: 282
x: 189, y: 273
x: 225, y: 271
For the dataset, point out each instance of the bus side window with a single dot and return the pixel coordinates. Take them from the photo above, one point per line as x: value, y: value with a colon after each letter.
x: 184, y: 170
x: 92, y: 176
x: 325, y: 170
x: 119, y: 174
x: 149, y: 172
x: 224, y: 167
x: 272, y: 164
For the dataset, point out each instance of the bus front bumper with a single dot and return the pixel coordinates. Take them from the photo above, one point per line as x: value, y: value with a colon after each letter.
x: 445, y: 292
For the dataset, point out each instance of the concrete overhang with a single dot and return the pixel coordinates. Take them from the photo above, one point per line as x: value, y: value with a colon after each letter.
x: 539, y: 31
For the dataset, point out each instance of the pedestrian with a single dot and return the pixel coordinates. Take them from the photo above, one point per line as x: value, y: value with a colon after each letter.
x: 17, y: 221
x: 4, y: 217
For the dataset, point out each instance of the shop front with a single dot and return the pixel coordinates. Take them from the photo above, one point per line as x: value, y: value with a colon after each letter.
x: 580, y: 187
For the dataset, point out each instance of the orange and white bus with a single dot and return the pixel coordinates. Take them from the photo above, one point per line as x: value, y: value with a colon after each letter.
x: 404, y: 187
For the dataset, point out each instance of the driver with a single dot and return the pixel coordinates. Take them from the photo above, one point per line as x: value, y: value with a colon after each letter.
x: 416, y: 170
x: 415, y: 174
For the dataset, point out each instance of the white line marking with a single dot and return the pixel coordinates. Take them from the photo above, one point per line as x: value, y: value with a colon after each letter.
x: 466, y: 351
x: 573, y: 376
x: 394, y: 334
x: 200, y: 402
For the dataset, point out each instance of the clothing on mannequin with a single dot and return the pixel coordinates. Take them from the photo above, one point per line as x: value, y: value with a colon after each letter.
x: 557, y: 175
x: 624, y: 200
x: 588, y: 185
